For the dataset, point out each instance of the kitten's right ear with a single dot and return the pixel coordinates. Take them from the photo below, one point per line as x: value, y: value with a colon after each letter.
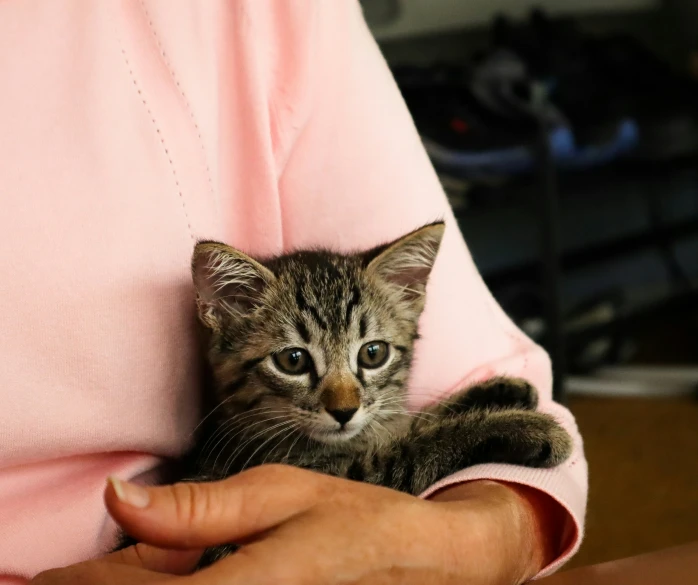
x: 407, y: 262
x: 228, y: 282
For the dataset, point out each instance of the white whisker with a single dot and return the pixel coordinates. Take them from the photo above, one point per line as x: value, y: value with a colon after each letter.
x: 283, y: 430
x: 236, y: 419
x: 248, y: 427
x: 290, y: 449
x: 240, y: 448
x: 294, y: 428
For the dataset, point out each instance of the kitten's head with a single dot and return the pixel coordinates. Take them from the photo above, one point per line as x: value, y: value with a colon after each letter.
x: 319, y: 341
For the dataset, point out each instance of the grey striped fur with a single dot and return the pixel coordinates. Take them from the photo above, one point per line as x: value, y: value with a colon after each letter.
x: 330, y: 305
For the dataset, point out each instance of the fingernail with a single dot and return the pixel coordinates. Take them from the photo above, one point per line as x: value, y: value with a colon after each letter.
x: 130, y: 493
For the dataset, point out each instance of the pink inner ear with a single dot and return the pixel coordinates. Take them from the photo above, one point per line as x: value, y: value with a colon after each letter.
x: 415, y: 277
x: 413, y: 254
x: 408, y: 262
x: 204, y: 283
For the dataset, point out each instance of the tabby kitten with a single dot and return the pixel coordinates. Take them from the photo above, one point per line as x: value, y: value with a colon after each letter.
x: 310, y: 355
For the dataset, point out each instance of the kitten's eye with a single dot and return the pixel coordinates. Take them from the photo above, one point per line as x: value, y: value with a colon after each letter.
x: 373, y: 354
x: 294, y: 361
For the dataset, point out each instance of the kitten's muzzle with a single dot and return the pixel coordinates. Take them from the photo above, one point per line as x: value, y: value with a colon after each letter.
x: 338, y: 425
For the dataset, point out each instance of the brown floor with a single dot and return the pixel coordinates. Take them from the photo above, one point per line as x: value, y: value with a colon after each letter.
x: 643, y: 467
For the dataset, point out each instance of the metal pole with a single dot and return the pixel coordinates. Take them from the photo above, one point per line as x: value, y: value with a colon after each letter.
x: 551, y: 252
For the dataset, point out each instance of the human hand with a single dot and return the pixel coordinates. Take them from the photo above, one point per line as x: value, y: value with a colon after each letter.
x: 299, y: 527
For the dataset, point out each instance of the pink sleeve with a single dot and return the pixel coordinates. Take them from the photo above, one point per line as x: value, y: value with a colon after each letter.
x: 353, y: 174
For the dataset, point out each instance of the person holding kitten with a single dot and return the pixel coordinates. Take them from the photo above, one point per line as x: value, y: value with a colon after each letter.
x: 136, y: 129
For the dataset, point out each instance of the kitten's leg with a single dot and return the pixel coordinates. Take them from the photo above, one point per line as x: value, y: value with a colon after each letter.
x: 497, y: 393
x: 124, y: 541
x: 215, y: 553
x: 438, y: 449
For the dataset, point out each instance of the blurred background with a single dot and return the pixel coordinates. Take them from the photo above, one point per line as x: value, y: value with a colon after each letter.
x: 565, y: 133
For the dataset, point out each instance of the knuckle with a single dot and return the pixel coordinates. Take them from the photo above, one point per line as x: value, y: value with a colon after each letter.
x: 193, y: 503
x: 126, y: 556
x: 139, y: 553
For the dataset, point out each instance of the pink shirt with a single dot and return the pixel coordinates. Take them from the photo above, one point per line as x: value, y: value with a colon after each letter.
x: 130, y: 129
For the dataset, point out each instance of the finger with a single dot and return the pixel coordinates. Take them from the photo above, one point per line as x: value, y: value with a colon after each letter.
x: 96, y: 572
x: 196, y: 515
x: 133, y: 565
x: 160, y: 560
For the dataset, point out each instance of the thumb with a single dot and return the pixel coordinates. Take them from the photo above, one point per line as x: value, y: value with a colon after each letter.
x: 197, y: 515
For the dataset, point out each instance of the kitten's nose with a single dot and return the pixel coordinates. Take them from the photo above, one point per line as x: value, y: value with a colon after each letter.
x: 342, y: 415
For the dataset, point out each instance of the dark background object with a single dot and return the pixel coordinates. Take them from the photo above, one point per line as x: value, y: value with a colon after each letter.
x: 579, y: 146
x: 381, y: 12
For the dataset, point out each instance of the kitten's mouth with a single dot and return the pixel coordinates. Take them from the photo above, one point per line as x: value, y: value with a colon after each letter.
x: 325, y: 428
x: 336, y: 435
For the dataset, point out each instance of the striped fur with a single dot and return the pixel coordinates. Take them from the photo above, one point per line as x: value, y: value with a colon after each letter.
x: 329, y: 305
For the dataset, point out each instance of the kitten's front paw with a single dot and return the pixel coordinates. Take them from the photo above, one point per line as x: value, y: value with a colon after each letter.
x: 497, y: 393
x: 531, y: 439
x: 548, y: 444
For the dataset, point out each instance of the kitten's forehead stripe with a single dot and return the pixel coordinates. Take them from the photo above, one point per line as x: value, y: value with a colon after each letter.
x: 304, y: 306
x: 326, y: 286
x: 353, y: 301
x: 362, y: 326
x: 316, y: 315
x: 303, y: 331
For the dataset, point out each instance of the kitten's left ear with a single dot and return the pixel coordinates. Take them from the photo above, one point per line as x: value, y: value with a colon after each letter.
x: 228, y: 283
x: 407, y: 262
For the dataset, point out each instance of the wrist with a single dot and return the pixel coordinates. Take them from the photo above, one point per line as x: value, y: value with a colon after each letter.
x: 547, y: 523
x: 516, y: 531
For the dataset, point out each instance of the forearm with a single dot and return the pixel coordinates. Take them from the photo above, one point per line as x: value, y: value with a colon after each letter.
x: 525, y: 524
